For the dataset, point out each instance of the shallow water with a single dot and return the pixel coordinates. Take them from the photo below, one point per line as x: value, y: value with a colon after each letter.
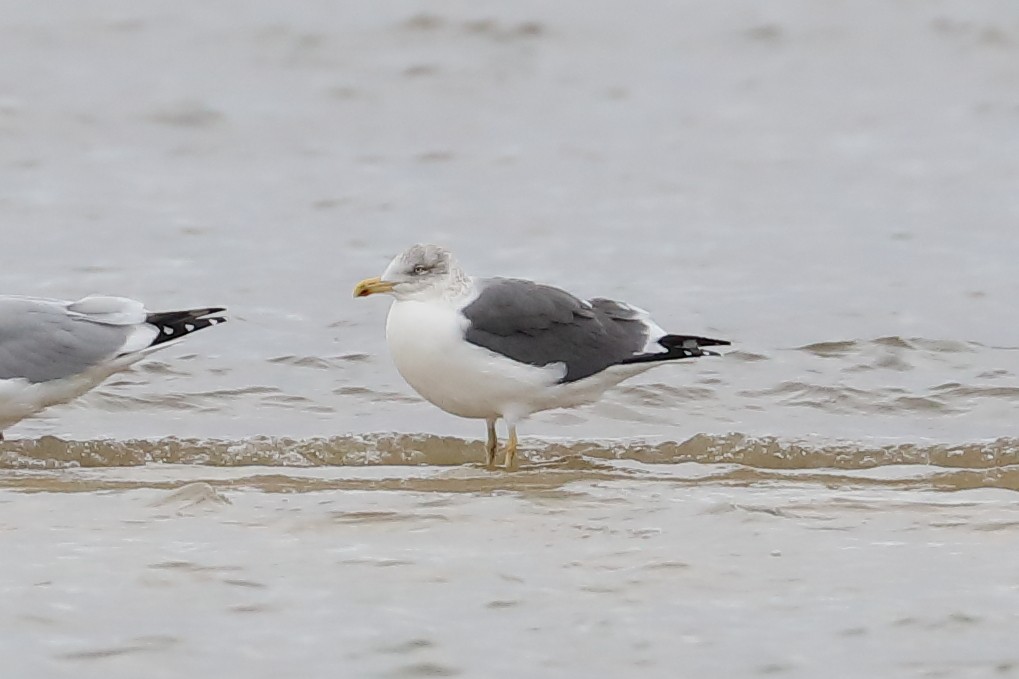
x: 833, y: 187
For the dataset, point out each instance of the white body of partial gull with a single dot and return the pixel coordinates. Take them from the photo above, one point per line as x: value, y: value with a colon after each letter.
x: 505, y: 348
x: 52, y: 351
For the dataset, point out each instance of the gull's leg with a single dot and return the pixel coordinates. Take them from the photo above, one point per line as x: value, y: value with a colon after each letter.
x: 491, y: 445
x: 511, y: 447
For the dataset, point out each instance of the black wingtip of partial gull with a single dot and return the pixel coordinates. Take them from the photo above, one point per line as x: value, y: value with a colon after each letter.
x: 176, y: 324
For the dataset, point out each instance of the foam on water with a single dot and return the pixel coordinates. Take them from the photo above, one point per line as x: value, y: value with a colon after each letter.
x: 729, y: 459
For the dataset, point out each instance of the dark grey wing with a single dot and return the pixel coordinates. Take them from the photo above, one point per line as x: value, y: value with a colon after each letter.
x: 541, y: 325
x: 41, y: 341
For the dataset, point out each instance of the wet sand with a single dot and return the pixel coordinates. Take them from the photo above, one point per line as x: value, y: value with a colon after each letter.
x: 420, y: 572
x: 833, y: 187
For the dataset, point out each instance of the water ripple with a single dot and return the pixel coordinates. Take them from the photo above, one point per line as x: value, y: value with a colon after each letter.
x: 729, y: 458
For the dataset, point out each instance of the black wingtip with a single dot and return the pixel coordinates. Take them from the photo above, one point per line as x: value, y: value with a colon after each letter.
x: 691, y: 342
x: 173, y: 325
x: 679, y: 347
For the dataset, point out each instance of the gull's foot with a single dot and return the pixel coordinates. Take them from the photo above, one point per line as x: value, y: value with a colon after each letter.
x: 491, y: 445
x: 511, y: 450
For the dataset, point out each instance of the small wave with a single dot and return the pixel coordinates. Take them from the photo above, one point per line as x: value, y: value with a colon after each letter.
x: 745, y: 356
x: 773, y: 453
x: 421, y: 463
x: 661, y: 395
x: 303, y: 362
x: 375, y: 395
x: 956, y: 390
x: 827, y: 349
x: 840, y: 348
x: 52, y: 452
x: 845, y: 399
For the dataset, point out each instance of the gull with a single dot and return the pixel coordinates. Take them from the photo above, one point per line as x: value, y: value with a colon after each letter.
x: 505, y: 348
x: 52, y: 351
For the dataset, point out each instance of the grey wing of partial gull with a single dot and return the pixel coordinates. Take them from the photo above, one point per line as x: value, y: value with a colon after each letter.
x: 40, y: 341
x: 541, y: 325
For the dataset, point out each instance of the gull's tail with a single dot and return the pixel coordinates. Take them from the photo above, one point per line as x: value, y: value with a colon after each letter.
x: 678, y: 347
x: 173, y: 325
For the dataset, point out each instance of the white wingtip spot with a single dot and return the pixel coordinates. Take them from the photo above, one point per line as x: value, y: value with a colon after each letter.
x: 189, y: 327
x: 168, y: 330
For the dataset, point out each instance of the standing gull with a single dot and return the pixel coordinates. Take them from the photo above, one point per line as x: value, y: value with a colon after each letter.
x: 491, y: 348
x: 52, y: 351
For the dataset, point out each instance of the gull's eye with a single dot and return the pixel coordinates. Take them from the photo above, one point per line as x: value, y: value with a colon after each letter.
x: 420, y: 269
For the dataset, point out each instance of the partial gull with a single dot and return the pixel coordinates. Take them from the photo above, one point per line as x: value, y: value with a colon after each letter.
x: 491, y: 348
x: 52, y: 351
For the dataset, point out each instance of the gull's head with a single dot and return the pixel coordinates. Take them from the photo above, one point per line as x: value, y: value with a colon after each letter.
x: 419, y: 272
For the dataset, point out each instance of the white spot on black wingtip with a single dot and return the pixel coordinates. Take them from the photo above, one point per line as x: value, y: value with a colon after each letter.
x: 189, y: 326
x: 168, y: 329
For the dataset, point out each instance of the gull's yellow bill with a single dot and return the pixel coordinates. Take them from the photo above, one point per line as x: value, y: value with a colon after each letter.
x: 371, y: 286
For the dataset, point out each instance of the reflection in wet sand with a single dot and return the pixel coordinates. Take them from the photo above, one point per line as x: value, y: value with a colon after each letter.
x: 404, y: 571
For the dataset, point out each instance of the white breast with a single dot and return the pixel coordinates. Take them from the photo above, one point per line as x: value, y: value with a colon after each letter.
x: 428, y: 347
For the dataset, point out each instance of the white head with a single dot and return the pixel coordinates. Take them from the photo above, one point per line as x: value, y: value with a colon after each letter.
x: 419, y: 272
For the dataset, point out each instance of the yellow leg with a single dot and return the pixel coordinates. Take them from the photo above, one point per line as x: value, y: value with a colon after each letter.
x: 491, y: 445
x: 511, y: 448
